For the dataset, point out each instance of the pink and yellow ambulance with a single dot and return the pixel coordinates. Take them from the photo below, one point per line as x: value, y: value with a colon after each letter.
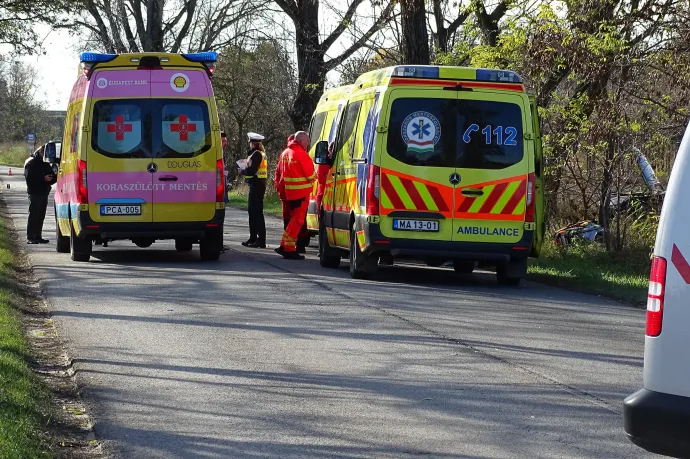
x: 142, y: 156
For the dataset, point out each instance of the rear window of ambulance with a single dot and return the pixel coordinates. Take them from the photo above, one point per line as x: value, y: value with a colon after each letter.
x: 475, y: 134
x: 151, y: 128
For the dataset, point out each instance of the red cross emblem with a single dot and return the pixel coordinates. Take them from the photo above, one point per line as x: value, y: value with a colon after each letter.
x: 119, y: 128
x: 183, y: 127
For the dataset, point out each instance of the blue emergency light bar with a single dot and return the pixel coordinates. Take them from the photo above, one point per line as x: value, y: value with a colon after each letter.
x: 207, y: 56
x: 500, y: 76
x: 450, y: 73
x: 416, y: 71
x: 96, y: 57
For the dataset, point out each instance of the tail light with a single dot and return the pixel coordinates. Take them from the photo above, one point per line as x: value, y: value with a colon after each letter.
x: 531, y: 191
x: 82, y: 190
x: 655, y: 296
x: 373, y: 190
x: 220, y: 186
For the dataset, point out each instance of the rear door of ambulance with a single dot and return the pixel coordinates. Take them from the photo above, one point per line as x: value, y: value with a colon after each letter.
x: 418, y: 164
x: 492, y: 166
x: 119, y: 149
x: 186, y: 151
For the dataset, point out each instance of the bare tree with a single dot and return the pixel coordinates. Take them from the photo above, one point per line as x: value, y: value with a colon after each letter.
x: 312, y: 61
x: 119, y: 26
x: 415, y: 36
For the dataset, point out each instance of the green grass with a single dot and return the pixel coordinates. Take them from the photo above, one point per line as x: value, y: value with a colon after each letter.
x: 21, y: 394
x: 13, y: 154
x: 589, y: 268
x: 238, y: 200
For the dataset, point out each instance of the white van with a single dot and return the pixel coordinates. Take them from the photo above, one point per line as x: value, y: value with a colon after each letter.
x: 657, y: 417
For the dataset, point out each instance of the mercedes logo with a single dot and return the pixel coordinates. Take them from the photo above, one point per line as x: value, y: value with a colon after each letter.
x: 153, y: 167
x: 454, y: 178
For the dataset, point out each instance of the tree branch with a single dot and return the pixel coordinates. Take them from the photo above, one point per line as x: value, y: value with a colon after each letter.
x: 342, y: 26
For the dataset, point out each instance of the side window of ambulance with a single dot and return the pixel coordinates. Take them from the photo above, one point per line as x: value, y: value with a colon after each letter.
x: 348, y: 127
x: 120, y: 130
x: 185, y: 129
x: 316, y: 127
x: 74, y: 139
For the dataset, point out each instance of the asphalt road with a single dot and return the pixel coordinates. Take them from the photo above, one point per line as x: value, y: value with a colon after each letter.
x: 258, y: 357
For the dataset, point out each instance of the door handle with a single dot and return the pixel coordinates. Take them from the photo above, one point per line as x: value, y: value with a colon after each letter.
x: 472, y: 192
x: 167, y: 178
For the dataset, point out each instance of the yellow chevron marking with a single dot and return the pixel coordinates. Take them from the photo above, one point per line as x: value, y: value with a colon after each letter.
x: 426, y: 196
x: 505, y: 197
x: 477, y: 204
x: 520, y: 209
x: 402, y: 192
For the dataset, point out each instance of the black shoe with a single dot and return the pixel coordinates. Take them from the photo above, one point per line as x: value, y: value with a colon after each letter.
x: 301, y: 250
x: 32, y: 241
x: 279, y: 250
x: 247, y: 243
x: 257, y: 245
x: 43, y: 241
x: 293, y: 256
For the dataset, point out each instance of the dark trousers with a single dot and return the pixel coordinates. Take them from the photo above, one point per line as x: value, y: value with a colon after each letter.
x: 38, y: 203
x: 257, y: 224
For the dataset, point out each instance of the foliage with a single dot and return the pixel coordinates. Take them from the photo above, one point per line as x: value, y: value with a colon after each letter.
x: 20, y: 113
x: 21, y: 395
x: 254, y: 90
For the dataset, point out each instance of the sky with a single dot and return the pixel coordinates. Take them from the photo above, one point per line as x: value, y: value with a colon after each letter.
x: 58, y: 65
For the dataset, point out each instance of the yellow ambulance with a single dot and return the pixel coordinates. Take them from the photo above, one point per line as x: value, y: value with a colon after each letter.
x: 142, y: 157
x: 439, y: 164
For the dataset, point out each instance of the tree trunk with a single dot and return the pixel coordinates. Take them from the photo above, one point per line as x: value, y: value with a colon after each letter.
x: 154, y: 25
x: 606, y: 185
x: 310, y: 65
x: 415, y: 35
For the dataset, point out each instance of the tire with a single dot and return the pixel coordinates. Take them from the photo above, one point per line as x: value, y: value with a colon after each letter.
x: 504, y: 278
x: 143, y: 243
x: 62, y: 242
x: 182, y: 245
x: 463, y: 266
x: 80, y: 249
x: 361, y: 266
x: 211, y: 246
x: 328, y: 258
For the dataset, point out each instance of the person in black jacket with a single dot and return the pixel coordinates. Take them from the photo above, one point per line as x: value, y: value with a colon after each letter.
x: 39, y: 178
x: 255, y: 174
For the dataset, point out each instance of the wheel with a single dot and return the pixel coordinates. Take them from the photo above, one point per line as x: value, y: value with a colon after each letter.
x: 361, y: 266
x: 463, y: 266
x: 328, y: 258
x: 211, y: 246
x: 62, y: 245
x: 143, y: 243
x: 79, y: 248
x: 505, y: 278
x: 182, y: 245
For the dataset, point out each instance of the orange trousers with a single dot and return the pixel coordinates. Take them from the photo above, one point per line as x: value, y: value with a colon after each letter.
x: 298, y: 217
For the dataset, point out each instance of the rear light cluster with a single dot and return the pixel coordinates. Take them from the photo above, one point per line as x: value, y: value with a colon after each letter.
x: 220, y: 176
x: 82, y: 189
x: 655, y: 296
x: 531, y: 192
x: 373, y: 190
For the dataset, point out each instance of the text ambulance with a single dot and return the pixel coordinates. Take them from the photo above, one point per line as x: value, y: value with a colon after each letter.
x: 434, y: 163
x: 141, y: 156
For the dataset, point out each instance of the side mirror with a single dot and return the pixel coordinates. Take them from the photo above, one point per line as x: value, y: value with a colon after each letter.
x: 321, y: 154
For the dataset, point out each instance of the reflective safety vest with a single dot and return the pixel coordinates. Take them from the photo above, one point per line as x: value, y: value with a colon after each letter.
x: 298, y: 172
x: 262, y: 172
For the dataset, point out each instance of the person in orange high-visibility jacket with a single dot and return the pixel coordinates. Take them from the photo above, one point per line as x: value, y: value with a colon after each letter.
x: 297, y: 176
x: 303, y: 238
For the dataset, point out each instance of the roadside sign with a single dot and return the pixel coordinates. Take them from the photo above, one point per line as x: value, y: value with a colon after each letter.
x: 31, y: 138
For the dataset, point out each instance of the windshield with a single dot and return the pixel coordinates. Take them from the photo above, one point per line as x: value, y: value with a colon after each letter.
x: 475, y: 134
x: 151, y: 128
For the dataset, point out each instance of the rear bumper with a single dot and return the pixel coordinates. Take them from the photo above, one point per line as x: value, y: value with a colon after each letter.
x: 162, y: 230
x: 658, y: 422
x: 448, y: 250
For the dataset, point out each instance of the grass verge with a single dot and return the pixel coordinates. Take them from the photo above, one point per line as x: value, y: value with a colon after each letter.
x: 13, y: 154
x: 238, y: 200
x: 590, y: 269
x: 22, y: 395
